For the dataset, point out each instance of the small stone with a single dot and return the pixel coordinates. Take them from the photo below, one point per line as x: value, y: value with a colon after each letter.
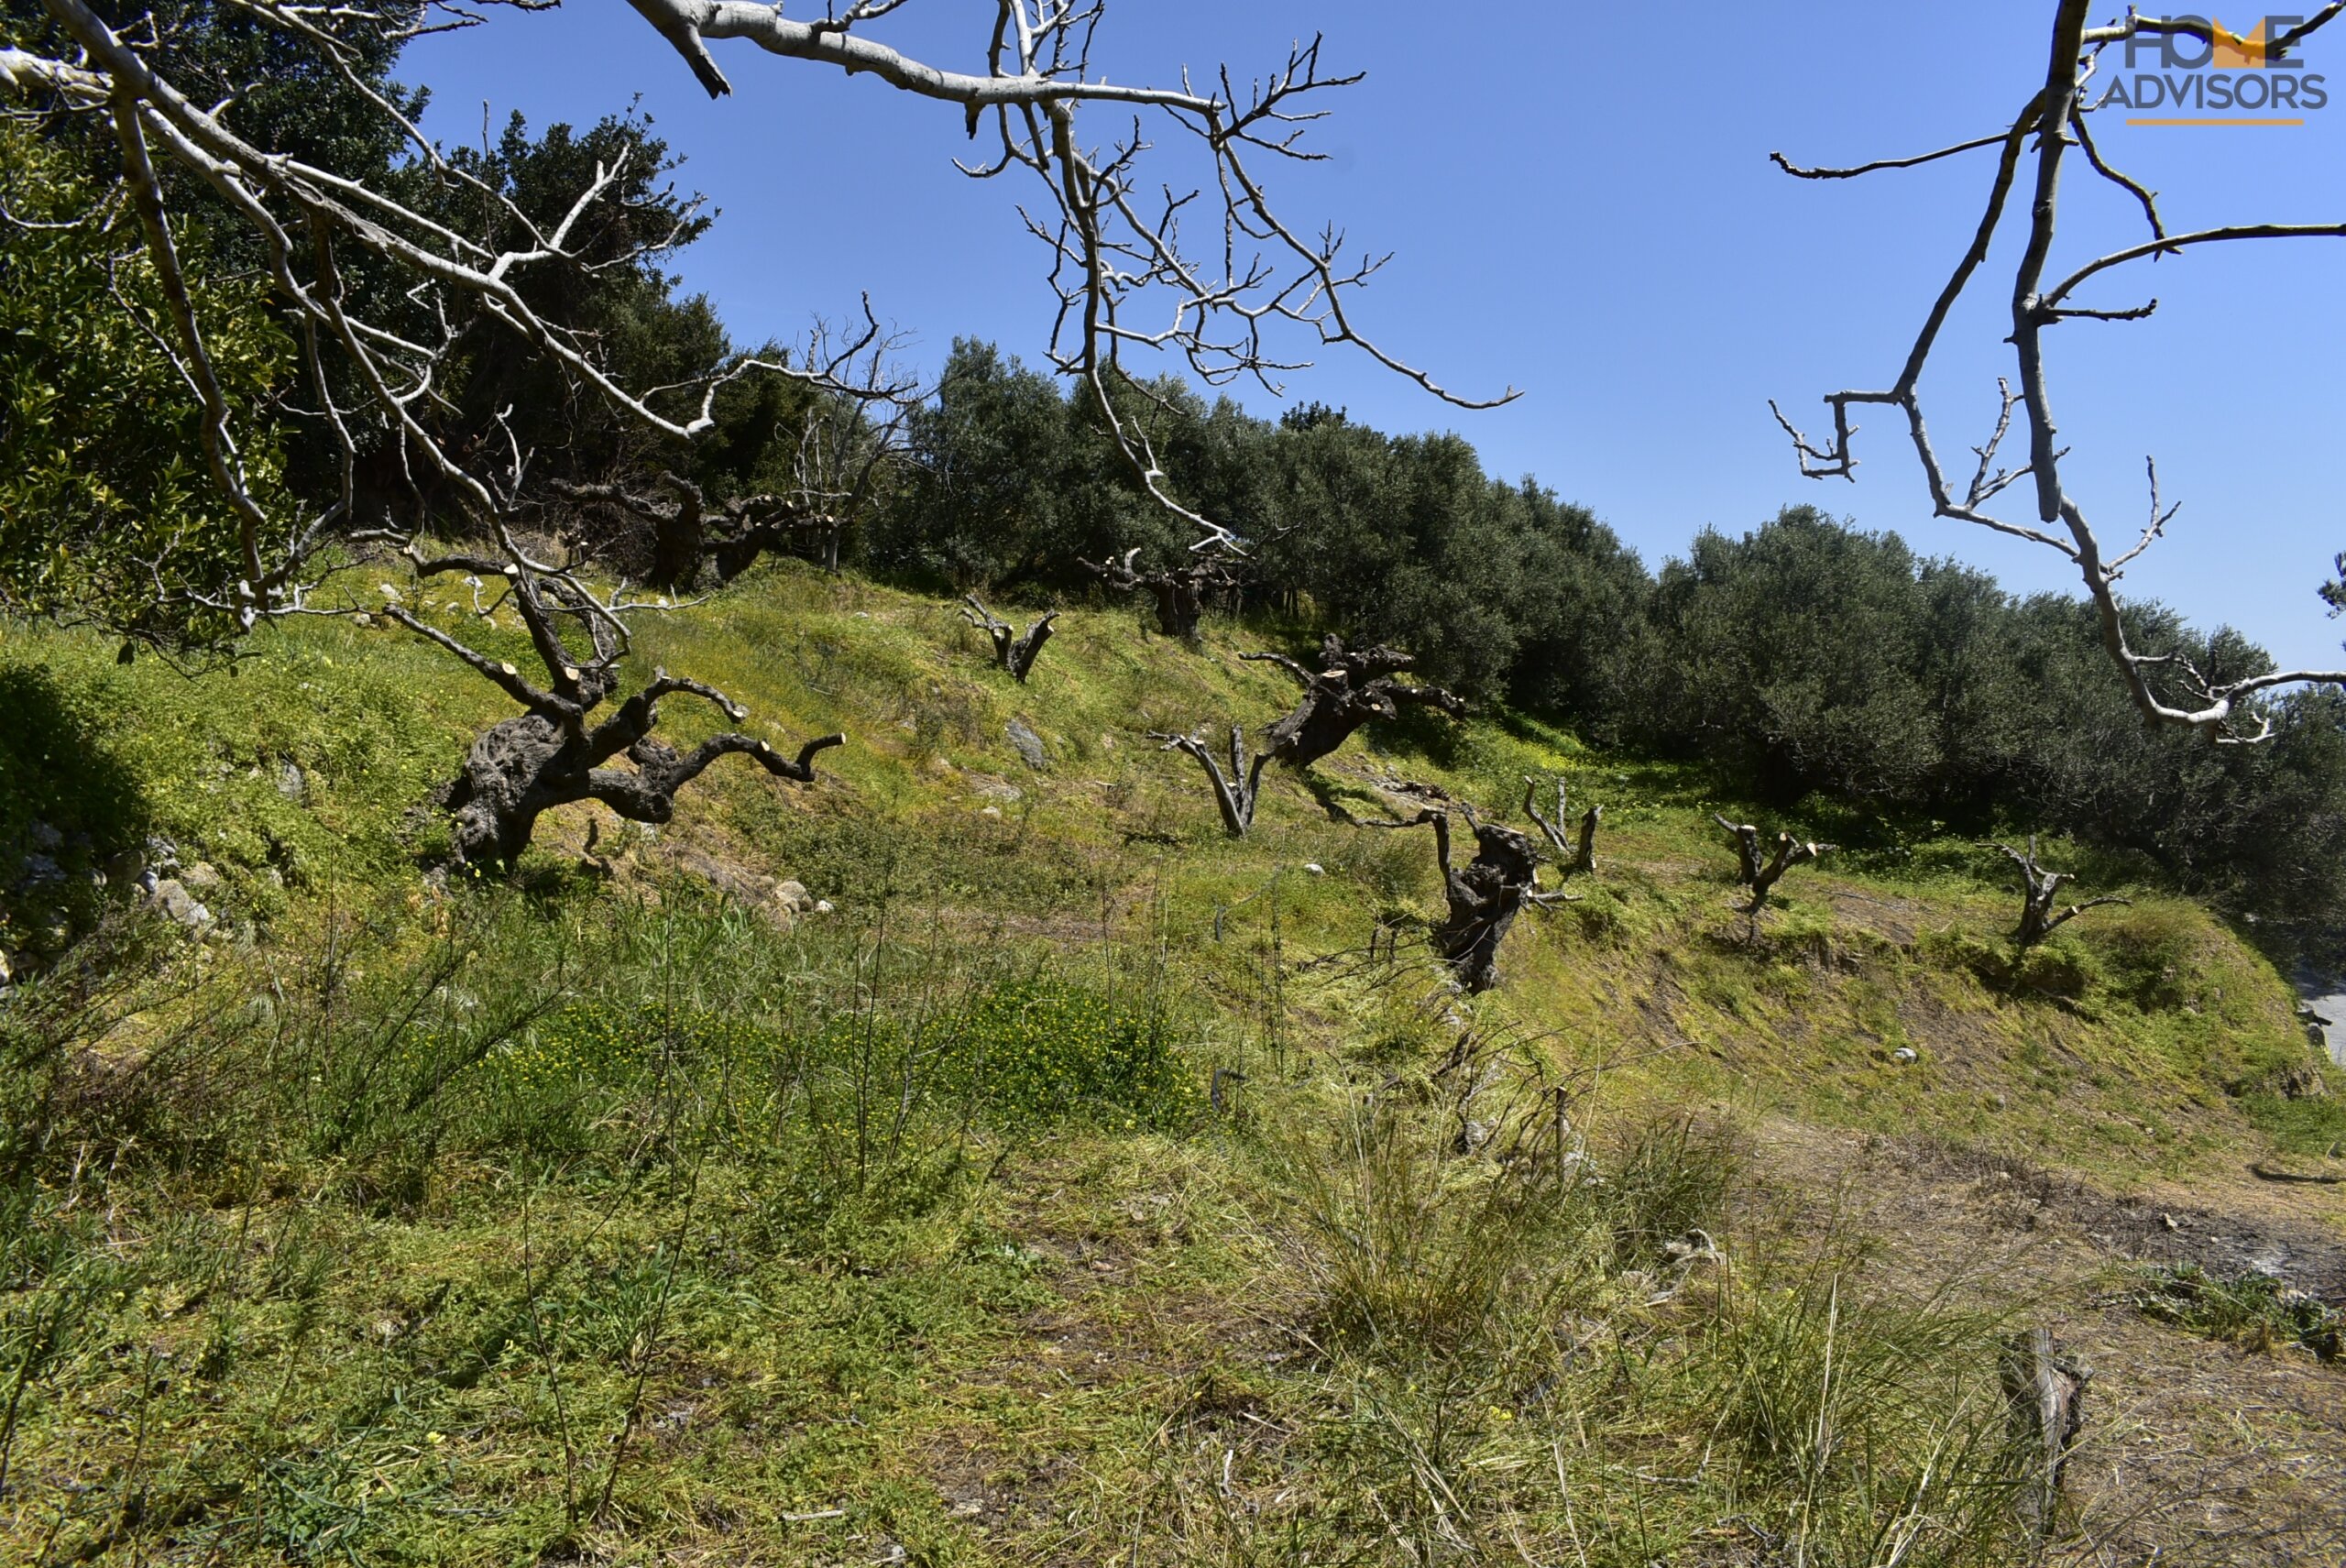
x: 1905, y: 1054
x: 38, y: 871
x: 203, y: 876
x: 162, y: 854
x: 290, y: 782
x: 992, y: 811
x: 45, y: 837
x: 181, y: 906
x: 793, y: 896
x: 823, y: 906
x: 1027, y: 743
x: 1313, y: 868
x: 391, y: 594
x: 362, y: 619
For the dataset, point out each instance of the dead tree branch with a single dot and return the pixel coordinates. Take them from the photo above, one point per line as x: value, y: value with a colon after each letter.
x: 2167, y: 689
x: 1010, y: 651
x: 1121, y: 271
x: 1235, y: 792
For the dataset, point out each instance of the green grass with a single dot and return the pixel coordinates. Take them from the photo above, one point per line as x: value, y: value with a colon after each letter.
x: 1081, y: 1190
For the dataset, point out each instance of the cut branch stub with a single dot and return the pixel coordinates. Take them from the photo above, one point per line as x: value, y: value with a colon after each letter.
x: 1747, y: 847
x: 1179, y: 592
x: 1010, y: 651
x: 2045, y: 1394
x: 1571, y: 859
x: 2040, y: 890
x: 1235, y: 792
x: 1351, y: 688
x: 1759, y: 871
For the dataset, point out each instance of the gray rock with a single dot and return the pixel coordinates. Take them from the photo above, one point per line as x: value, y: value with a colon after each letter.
x: 290, y: 784
x: 822, y: 907
x: 203, y: 876
x: 181, y: 907
x: 162, y: 854
x: 38, y: 871
x: 793, y: 896
x: 1905, y: 1054
x: 1027, y: 744
x: 989, y: 787
x: 45, y: 837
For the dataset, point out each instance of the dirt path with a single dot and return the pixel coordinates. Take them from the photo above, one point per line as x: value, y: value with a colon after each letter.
x: 2196, y: 1451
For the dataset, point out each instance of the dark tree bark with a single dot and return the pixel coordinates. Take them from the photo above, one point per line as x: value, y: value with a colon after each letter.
x: 556, y: 752
x: 1012, y: 653
x: 1485, y: 896
x: 1179, y: 592
x: 1351, y: 688
x: 1234, y: 793
x: 2039, y: 889
x: 687, y: 532
x: 1761, y: 875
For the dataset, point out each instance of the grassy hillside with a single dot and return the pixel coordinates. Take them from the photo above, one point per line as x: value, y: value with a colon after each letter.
x: 1085, y: 1186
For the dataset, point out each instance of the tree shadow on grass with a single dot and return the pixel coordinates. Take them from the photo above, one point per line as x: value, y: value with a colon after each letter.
x: 69, y: 804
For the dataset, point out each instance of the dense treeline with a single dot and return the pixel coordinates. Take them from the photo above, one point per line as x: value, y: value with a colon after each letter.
x: 1808, y: 661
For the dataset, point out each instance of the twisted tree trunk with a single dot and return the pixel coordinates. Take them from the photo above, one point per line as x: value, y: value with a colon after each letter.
x: 1761, y: 875
x: 1484, y: 897
x: 555, y: 752
x: 1012, y: 653
x: 1349, y: 688
x: 1179, y: 592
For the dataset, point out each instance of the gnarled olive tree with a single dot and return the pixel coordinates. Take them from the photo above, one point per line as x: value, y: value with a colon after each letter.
x: 2040, y: 890
x: 1486, y: 896
x: 1179, y: 592
x: 374, y: 359
x: 1351, y: 688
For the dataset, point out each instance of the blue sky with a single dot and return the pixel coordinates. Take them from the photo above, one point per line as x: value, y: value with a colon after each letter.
x: 1582, y: 206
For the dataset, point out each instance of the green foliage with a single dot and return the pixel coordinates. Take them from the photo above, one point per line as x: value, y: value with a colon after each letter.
x: 107, y: 513
x: 2254, y: 1310
x: 1036, y: 1052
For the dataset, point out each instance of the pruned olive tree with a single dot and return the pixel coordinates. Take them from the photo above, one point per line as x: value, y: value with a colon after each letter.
x: 1759, y: 871
x: 372, y: 359
x: 1351, y: 688
x: 1178, y: 592
x: 2036, y: 148
x: 844, y: 446
x: 2040, y: 891
x: 1484, y: 896
x: 1235, y: 792
x: 1014, y: 651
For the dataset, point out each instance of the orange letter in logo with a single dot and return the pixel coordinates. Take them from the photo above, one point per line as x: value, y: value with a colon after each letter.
x: 2235, y: 52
